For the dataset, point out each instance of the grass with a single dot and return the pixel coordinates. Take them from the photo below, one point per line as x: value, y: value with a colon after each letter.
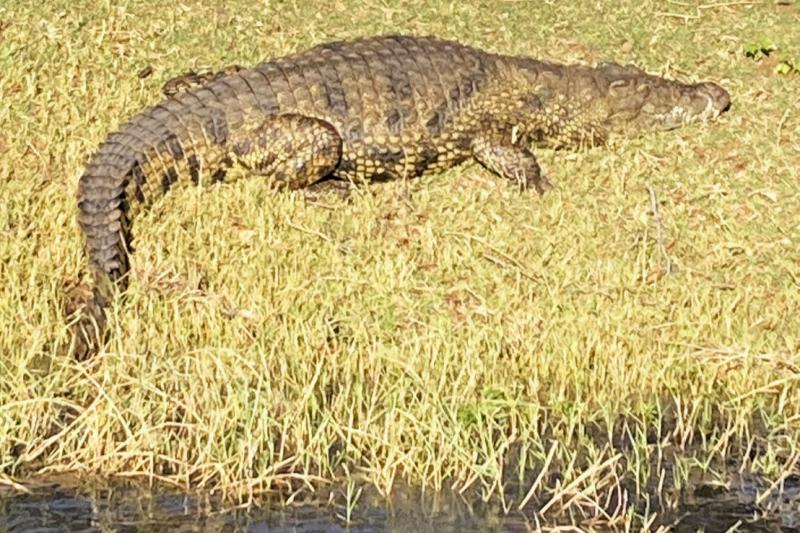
x: 447, y: 332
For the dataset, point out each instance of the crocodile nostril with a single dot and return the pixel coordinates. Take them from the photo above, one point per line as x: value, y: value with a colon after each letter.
x: 719, y: 96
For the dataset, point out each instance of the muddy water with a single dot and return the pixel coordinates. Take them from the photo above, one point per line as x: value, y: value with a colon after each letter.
x: 129, y: 508
x: 56, y: 507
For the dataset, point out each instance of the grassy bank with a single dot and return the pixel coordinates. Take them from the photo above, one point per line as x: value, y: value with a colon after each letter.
x: 448, y: 331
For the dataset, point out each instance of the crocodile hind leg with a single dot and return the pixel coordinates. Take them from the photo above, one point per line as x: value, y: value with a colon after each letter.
x: 293, y: 151
x: 333, y: 187
x: 508, y: 157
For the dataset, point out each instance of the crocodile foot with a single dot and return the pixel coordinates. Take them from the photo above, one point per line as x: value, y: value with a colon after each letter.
x: 321, y: 190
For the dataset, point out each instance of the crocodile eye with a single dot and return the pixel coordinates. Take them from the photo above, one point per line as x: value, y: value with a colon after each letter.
x: 617, y: 87
x: 613, y: 69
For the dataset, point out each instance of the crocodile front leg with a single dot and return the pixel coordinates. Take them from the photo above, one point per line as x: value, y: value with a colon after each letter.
x: 294, y: 151
x: 506, y: 156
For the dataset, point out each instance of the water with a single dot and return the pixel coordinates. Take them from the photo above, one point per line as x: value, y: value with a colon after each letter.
x: 747, y: 505
x: 129, y: 508
x: 126, y: 508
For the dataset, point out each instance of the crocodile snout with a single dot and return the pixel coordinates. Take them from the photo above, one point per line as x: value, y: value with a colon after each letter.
x: 720, y: 98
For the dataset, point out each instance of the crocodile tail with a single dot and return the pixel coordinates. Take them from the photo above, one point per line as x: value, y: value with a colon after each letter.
x: 103, y: 207
x: 155, y: 150
x: 103, y: 218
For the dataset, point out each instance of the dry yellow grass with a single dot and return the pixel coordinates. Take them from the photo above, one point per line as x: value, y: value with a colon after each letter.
x: 448, y: 331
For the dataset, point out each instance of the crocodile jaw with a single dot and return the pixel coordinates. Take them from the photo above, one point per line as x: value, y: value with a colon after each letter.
x: 717, y: 101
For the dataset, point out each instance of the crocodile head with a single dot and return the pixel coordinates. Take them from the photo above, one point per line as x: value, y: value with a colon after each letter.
x: 636, y: 100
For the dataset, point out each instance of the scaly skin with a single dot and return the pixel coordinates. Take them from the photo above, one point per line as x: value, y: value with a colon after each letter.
x: 372, y: 109
x: 191, y: 79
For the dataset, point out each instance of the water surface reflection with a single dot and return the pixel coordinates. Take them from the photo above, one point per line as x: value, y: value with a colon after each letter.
x: 130, y: 508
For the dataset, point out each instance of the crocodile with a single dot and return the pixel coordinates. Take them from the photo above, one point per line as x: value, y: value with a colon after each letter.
x: 353, y: 112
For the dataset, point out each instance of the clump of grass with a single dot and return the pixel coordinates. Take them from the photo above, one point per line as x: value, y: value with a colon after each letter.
x: 765, y: 48
x: 449, y: 332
